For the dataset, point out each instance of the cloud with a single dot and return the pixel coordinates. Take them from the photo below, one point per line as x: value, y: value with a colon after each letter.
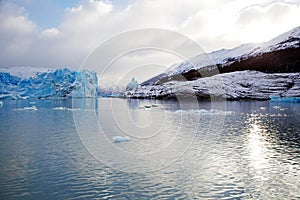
x: 213, y: 24
x: 261, y: 23
x: 241, y: 22
x: 49, y: 33
x: 16, y: 31
x: 83, y: 28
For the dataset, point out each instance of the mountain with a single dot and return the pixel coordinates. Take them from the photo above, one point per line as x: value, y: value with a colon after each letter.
x: 249, y: 71
x: 58, y: 83
x: 279, y: 55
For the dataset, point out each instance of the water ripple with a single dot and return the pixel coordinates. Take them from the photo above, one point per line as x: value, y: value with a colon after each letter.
x: 254, y: 156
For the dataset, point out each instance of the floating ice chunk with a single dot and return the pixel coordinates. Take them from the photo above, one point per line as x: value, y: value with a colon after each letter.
x: 178, y: 111
x: 30, y: 108
x: 276, y: 107
x: 222, y: 112
x: 213, y: 111
x: 27, y: 108
x: 73, y: 109
x: 69, y: 109
x: 60, y: 108
x: 204, y: 112
x: 117, y: 139
x: 1, y: 103
x: 32, y: 102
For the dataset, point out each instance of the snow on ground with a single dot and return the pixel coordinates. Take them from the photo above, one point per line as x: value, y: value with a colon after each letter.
x: 234, y: 86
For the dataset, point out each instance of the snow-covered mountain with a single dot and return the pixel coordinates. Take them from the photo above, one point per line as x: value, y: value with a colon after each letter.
x: 281, y: 54
x: 17, y: 83
x: 249, y: 71
x: 288, y: 40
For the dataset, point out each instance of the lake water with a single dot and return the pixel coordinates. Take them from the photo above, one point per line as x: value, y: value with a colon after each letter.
x: 64, y: 149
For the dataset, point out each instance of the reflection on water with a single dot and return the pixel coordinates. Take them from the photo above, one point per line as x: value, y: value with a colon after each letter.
x: 202, y: 151
x: 266, y: 150
x: 257, y: 146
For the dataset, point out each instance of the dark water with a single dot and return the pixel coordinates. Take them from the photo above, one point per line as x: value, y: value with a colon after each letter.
x: 237, y: 150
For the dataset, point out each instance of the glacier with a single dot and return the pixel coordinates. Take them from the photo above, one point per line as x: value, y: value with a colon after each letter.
x: 55, y: 83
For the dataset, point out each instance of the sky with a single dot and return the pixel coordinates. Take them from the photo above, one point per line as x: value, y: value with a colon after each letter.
x: 56, y: 33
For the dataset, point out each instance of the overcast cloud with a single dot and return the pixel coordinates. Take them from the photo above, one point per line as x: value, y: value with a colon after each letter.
x: 212, y: 24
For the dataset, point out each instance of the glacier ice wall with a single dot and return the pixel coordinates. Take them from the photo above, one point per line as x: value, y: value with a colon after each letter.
x: 59, y: 83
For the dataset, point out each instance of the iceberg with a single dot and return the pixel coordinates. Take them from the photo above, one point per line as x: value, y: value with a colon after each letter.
x: 133, y: 84
x: 59, y: 83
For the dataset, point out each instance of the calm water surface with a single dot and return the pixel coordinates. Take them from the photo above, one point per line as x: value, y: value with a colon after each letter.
x: 222, y: 150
